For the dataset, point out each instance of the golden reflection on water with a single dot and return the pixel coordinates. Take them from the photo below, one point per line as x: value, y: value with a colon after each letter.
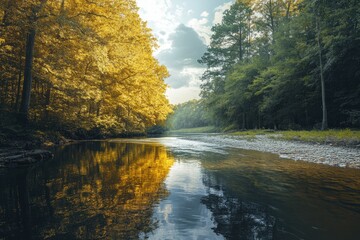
x: 99, y: 191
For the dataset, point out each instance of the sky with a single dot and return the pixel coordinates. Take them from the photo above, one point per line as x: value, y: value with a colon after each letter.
x: 183, y: 30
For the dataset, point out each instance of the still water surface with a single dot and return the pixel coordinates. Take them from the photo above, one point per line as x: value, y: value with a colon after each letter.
x: 177, y: 188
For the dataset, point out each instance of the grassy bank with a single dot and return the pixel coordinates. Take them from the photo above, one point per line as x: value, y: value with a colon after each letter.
x: 207, y: 129
x: 344, y: 137
x: 337, y: 137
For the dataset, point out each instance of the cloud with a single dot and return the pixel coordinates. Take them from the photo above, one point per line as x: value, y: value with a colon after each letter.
x: 163, y: 18
x: 179, y: 10
x: 186, y: 77
x: 219, y: 12
x: 183, y: 94
x: 194, y: 75
x: 186, y: 48
x: 178, y: 79
x: 204, y: 14
x: 181, y: 59
x: 202, y: 28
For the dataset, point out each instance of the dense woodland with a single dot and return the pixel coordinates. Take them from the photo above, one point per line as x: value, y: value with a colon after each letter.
x: 79, y: 64
x: 88, y: 65
x: 284, y: 64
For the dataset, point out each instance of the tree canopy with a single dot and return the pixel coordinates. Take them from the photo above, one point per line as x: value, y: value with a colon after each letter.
x: 285, y: 64
x: 86, y: 64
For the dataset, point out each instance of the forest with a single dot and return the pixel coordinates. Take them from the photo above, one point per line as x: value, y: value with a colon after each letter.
x: 79, y: 66
x: 88, y: 67
x: 283, y: 65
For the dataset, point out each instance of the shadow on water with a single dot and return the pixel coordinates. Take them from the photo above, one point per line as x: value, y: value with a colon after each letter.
x: 92, y: 190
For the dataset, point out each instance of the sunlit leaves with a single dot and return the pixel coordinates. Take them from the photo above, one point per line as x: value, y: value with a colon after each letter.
x: 94, y: 58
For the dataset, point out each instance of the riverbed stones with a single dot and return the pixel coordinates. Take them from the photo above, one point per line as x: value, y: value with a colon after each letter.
x: 340, y: 156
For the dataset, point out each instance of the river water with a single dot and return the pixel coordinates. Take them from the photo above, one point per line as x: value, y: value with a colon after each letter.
x: 177, y: 188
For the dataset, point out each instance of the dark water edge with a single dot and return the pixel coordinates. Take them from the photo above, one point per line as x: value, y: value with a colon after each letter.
x: 176, y: 189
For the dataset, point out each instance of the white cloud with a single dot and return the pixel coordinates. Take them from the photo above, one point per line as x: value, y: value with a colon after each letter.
x: 194, y: 75
x: 179, y: 11
x: 186, y: 48
x: 203, y: 21
x: 161, y: 18
x: 204, y: 14
x: 183, y: 94
x: 202, y: 28
x: 184, y: 78
x: 219, y: 12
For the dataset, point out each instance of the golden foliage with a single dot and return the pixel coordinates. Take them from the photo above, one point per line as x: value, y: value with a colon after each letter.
x: 93, y: 63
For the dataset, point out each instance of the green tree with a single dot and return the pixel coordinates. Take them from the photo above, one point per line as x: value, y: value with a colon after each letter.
x: 230, y: 44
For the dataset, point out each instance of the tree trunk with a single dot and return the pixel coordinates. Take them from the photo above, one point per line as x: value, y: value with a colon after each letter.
x: 25, y: 101
x: 288, y: 9
x: 29, y: 56
x: 272, y: 22
x: 324, y: 124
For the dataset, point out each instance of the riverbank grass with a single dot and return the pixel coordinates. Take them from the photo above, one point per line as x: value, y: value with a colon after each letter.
x: 207, y: 129
x: 328, y: 136
x: 332, y: 136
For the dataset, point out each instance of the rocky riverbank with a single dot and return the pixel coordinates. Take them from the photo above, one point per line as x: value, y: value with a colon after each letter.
x: 311, y: 152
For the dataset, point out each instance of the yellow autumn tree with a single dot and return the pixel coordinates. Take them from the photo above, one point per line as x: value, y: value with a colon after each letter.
x: 91, y: 67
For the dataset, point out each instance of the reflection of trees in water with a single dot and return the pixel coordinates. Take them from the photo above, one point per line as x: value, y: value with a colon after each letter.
x: 91, y: 191
x: 237, y: 219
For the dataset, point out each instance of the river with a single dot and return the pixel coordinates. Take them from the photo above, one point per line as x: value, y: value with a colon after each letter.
x: 177, y: 188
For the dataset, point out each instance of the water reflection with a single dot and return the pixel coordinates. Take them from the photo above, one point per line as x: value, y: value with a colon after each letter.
x: 255, y: 195
x: 182, y: 215
x: 237, y: 219
x: 91, y: 190
x: 171, y: 188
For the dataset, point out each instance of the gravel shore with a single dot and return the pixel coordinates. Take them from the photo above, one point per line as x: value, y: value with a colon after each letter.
x: 310, y: 152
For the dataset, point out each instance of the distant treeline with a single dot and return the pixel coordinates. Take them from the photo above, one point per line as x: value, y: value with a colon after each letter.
x: 89, y: 65
x: 284, y: 64
x: 191, y: 114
